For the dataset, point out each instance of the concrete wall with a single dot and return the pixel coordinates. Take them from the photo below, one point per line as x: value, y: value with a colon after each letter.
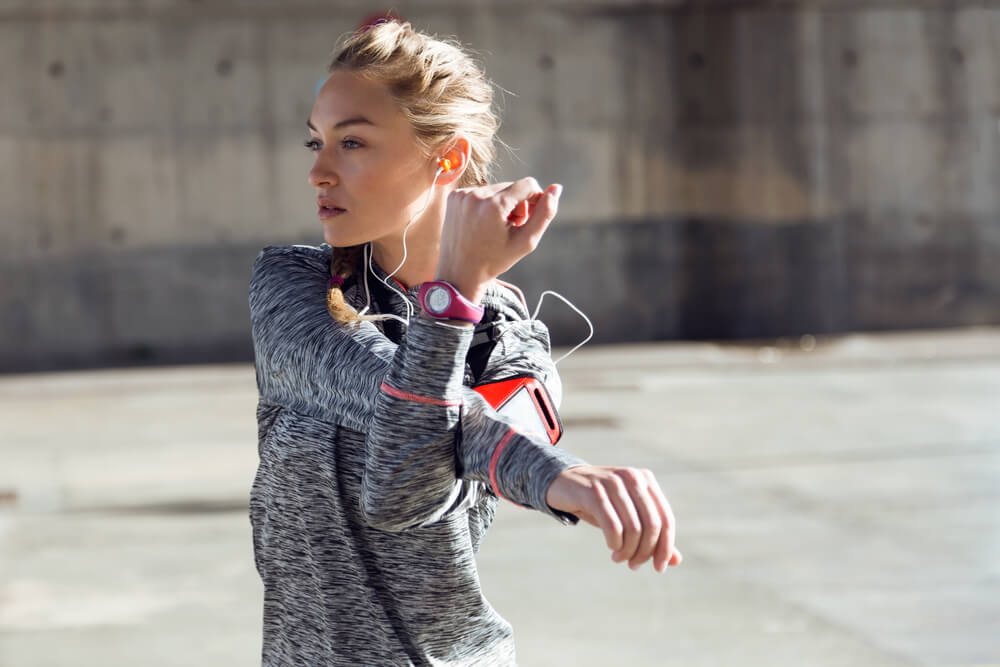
x: 732, y: 169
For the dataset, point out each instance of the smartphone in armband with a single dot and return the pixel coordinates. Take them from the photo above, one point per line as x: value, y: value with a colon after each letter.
x: 526, y: 401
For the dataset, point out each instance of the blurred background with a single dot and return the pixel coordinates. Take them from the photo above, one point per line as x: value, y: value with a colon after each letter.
x: 782, y: 218
x: 732, y: 169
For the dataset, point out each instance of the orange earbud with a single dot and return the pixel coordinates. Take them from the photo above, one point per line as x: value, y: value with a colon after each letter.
x: 445, y: 164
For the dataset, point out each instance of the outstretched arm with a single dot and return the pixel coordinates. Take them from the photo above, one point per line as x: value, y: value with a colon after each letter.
x: 626, y: 503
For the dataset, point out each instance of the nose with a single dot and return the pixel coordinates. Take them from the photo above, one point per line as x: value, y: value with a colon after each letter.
x: 322, y: 173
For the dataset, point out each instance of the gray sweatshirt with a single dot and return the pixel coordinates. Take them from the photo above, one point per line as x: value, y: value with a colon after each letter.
x: 380, y: 469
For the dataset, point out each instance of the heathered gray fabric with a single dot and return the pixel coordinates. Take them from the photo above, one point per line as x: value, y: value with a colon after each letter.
x: 367, y: 509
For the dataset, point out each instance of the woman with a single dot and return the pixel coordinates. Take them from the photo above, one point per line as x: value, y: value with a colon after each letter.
x: 380, y: 466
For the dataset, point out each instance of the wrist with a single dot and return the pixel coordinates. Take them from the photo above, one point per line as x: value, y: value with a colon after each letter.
x: 453, y: 304
x: 471, y: 289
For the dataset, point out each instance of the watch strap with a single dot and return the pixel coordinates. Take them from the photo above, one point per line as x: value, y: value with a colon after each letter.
x: 457, y: 307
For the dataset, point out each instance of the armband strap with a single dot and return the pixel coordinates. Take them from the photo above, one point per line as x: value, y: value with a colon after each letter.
x: 417, y: 398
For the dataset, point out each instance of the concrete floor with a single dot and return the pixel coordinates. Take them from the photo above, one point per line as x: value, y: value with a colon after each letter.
x: 838, y: 504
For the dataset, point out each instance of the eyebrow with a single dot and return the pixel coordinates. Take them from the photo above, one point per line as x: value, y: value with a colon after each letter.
x: 356, y: 120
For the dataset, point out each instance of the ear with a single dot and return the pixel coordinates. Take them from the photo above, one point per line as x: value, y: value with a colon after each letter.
x: 458, y: 154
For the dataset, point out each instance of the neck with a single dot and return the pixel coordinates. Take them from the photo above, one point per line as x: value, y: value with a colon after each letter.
x: 423, y: 247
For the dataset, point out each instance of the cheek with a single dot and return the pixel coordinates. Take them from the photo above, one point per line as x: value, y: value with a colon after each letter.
x: 391, y: 190
x: 373, y: 181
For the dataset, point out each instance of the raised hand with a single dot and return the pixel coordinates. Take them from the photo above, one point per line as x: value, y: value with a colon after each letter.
x: 488, y: 229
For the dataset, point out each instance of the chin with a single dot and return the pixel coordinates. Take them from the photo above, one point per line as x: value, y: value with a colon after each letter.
x: 341, y: 240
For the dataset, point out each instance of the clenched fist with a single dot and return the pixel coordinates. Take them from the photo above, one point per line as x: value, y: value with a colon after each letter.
x: 627, y: 505
x: 488, y: 229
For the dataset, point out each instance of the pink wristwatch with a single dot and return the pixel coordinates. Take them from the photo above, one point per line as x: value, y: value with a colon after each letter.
x: 441, y: 300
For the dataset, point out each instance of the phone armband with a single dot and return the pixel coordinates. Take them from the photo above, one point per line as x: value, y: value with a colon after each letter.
x: 526, y: 401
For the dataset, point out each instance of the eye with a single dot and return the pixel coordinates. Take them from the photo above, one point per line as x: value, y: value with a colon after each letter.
x: 313, y: 145
x: 350, y: 144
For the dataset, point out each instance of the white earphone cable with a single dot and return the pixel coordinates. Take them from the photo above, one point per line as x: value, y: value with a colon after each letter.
x: 409, y: 306
x: 538, y: 307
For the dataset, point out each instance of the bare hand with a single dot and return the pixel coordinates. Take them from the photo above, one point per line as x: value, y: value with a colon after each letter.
x: 488, y: 229
x: 627, y: 504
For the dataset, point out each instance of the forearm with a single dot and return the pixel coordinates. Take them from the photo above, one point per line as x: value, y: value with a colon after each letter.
x: 431, y: 431
x: 519, y: 467
x: 410, y: 449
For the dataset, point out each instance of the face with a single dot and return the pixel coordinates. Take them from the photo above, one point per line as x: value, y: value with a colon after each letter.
x: 369, y: 173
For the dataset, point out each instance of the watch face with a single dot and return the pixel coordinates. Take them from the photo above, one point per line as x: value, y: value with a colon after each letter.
x: 438, y: 298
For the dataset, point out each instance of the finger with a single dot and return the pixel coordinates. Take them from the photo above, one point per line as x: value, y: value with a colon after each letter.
x: 668, y: 533
x: 662, y: 555
x: 652, y: 522
x: 542, y: 213
x: 607, y: 518
x: 519, y: 214
x: 522, y: 211
x: 631, y: 527
x: 676, y: 558
x: 516, y: 192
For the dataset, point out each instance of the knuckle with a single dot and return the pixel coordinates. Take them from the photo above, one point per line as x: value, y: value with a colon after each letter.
x: 633, y: 475
x: 617, y: 485
x: 615, y: 530
x: 600, y: 494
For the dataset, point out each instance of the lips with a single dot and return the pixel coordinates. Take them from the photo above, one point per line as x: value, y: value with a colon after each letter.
x: 327, y: 213
x: 327, y: 209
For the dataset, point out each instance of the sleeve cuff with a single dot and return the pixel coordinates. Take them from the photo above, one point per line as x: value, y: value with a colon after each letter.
x: 527, y: 467
x: 434, y: 360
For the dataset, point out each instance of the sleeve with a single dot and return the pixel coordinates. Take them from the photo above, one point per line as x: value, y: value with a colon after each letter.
x: 426, y: 431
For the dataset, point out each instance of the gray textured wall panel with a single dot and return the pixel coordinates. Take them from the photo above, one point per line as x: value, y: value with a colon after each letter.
x: 732, y: 169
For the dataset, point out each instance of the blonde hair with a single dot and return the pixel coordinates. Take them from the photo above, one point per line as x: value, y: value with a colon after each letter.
x: 440, y: 90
